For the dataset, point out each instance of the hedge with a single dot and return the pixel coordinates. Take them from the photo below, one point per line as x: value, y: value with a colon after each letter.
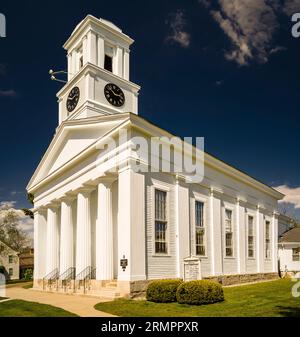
x: 162, y: 291
x: 200, y: 292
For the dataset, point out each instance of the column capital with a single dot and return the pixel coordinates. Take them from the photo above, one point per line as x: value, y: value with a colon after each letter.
x: 40, y: 209
x: 53, y: 205
x: 106, y: 179
x: 214, y: 191
x: 68, y: 197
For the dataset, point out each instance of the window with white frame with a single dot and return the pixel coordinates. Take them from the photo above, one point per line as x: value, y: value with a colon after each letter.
x: 267, y: 240
x: 10, y: 259
x: 251, y: 244
x: 296, y: 254
x: 161, y: 223
x: 200, y: 228
x: 228, y: 233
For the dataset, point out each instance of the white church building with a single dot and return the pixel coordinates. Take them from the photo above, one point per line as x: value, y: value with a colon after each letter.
x: 104, y: 227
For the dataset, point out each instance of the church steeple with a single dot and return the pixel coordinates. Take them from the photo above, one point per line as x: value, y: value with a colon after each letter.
x: 98, y: 72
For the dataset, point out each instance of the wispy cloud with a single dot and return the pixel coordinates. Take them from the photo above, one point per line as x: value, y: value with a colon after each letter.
x: 219, y: 83
x: 8, y: 93
x: 277, y: 49
x: 250, y: 26
x: 292, y: 195
x: 178, y: 34
x: 4, y: 205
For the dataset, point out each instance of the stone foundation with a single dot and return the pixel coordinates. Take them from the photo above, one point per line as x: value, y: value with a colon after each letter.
x: 227, y: 280
x: 138, y: 288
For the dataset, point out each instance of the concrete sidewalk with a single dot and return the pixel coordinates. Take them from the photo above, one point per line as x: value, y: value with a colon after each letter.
x: 80, y: 305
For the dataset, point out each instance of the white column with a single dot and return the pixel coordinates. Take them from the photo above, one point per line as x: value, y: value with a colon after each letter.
x: 84, y: 50
x: 212, y: 233
x: 238, y: 243
x: 69, y: 56
x: 118, y: 67
x: 275, y: 242
x: 40, y: 232
x: 104, y: 233
x: 74, y: 56
x: 126, y: 66
x: 101, y: 52
x: 183, y: 239
x: 83, y: 240
x: 131, y: 225
x: 52, y: 262
x: 91, y: 47
x: 258, y: 238
x: 67, y: 236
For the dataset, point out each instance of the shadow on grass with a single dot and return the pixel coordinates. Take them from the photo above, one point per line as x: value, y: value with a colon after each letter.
x: 289, y: 311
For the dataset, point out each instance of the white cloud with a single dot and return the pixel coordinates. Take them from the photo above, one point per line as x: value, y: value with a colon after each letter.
x: 250, y: 26
x: 292, y: 195
x: 277, y: 49
x: 219, y: 83
x: 4, y: 205
x: 177, y: 23
x: 8, y: 93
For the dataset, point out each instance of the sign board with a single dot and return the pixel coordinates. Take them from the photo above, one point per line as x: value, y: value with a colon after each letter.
x: 192, y: 269
x: 124, y: 264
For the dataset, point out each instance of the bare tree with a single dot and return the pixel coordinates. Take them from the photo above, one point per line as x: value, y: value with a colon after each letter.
x: 288, y: 209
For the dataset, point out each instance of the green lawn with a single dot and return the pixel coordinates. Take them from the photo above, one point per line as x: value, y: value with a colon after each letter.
x: 17, y: 308
x: 269, y: 299
x: 28, y: 285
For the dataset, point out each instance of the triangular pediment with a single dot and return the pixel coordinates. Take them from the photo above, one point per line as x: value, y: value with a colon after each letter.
x: 73, y: 138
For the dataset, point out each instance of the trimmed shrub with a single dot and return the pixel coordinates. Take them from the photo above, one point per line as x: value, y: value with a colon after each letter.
x: 200, y: 292
x: 28, y: 275
x: 162, y: 291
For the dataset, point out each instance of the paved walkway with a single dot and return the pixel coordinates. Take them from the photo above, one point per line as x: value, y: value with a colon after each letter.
x: 80, y: 305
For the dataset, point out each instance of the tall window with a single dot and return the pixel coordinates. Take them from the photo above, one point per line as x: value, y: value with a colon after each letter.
x: 228, y: 233
x: 10, y: 259
x: 161, y: 224
x: 11, y: 272
x: 296, y: 254
x: 200, y: 229
x: 267, y: 240
x: 108, y: 63
x: 250, y: 236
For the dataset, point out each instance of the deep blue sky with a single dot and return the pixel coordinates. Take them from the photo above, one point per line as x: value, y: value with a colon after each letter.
x: 250, y: 120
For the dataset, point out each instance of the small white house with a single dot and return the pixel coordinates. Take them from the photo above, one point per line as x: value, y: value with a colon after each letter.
x: 9, y: 262
x: 289, y: 251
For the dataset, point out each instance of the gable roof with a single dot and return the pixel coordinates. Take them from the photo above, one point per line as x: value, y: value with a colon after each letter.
x: 44, y: 173
x: 7, y: 246
x: 293, y: 235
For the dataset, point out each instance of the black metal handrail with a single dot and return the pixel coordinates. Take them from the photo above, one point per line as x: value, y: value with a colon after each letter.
x: 53, y: 276
x: 69, y: 274
x: 93, y: 276
x: 85, y: 274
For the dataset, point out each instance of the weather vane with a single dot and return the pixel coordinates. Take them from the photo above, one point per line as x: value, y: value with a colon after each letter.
x: 53, y: 74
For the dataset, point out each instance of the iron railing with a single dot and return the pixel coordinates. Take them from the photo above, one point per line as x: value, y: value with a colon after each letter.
x: 50, y: 278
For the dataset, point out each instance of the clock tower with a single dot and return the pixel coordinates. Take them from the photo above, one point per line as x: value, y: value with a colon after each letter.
x: 98, y: 55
